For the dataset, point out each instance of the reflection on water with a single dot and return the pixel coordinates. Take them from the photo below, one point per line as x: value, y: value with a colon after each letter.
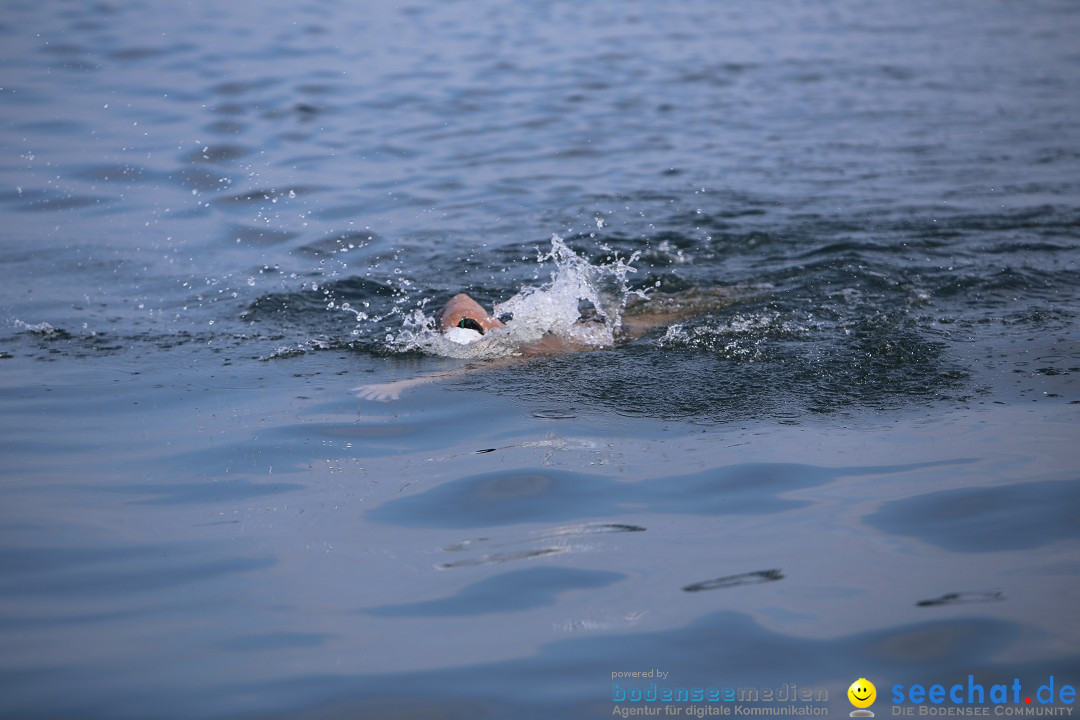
x: 988, y: 519
x: 511, y: 591
x: 546, y: 495
x: 272, y: 548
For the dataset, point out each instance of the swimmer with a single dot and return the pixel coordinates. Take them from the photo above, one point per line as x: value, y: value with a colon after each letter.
x: 464, y: 321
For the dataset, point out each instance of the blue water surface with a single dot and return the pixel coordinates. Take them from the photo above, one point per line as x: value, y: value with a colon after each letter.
x: 854, y: 457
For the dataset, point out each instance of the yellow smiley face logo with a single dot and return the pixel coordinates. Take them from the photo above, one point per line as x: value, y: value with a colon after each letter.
x: 862, y: 693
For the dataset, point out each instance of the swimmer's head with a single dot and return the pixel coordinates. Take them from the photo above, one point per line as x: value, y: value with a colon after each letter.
x: 463, y: 313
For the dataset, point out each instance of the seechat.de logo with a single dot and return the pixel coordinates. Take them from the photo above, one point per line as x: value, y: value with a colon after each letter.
x: 862, y: 695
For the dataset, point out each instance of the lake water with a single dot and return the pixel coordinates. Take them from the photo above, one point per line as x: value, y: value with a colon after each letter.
x: 858, y: 460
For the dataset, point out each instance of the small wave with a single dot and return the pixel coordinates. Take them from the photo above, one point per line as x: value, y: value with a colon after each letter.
x: 729, y: 581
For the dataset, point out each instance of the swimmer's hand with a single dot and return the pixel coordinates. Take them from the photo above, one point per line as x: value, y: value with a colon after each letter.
x: 385, y: 392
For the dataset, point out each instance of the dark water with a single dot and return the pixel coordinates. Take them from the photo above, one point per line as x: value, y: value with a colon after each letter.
x: 862, y: 464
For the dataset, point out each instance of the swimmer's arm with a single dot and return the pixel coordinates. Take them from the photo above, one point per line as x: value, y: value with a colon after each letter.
x: 634, y: 326
x: 385, y: 392
x: 662, y: 309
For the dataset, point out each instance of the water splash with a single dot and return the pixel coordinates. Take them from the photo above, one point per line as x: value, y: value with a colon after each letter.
x: 741, y: 336
x: 582, y: 305
x: 43, y: 329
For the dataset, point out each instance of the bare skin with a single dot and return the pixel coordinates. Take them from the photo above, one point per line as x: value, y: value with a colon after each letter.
x: 461, y: 312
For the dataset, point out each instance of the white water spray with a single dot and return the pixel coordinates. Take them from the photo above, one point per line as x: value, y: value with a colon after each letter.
x: 582, y: 304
